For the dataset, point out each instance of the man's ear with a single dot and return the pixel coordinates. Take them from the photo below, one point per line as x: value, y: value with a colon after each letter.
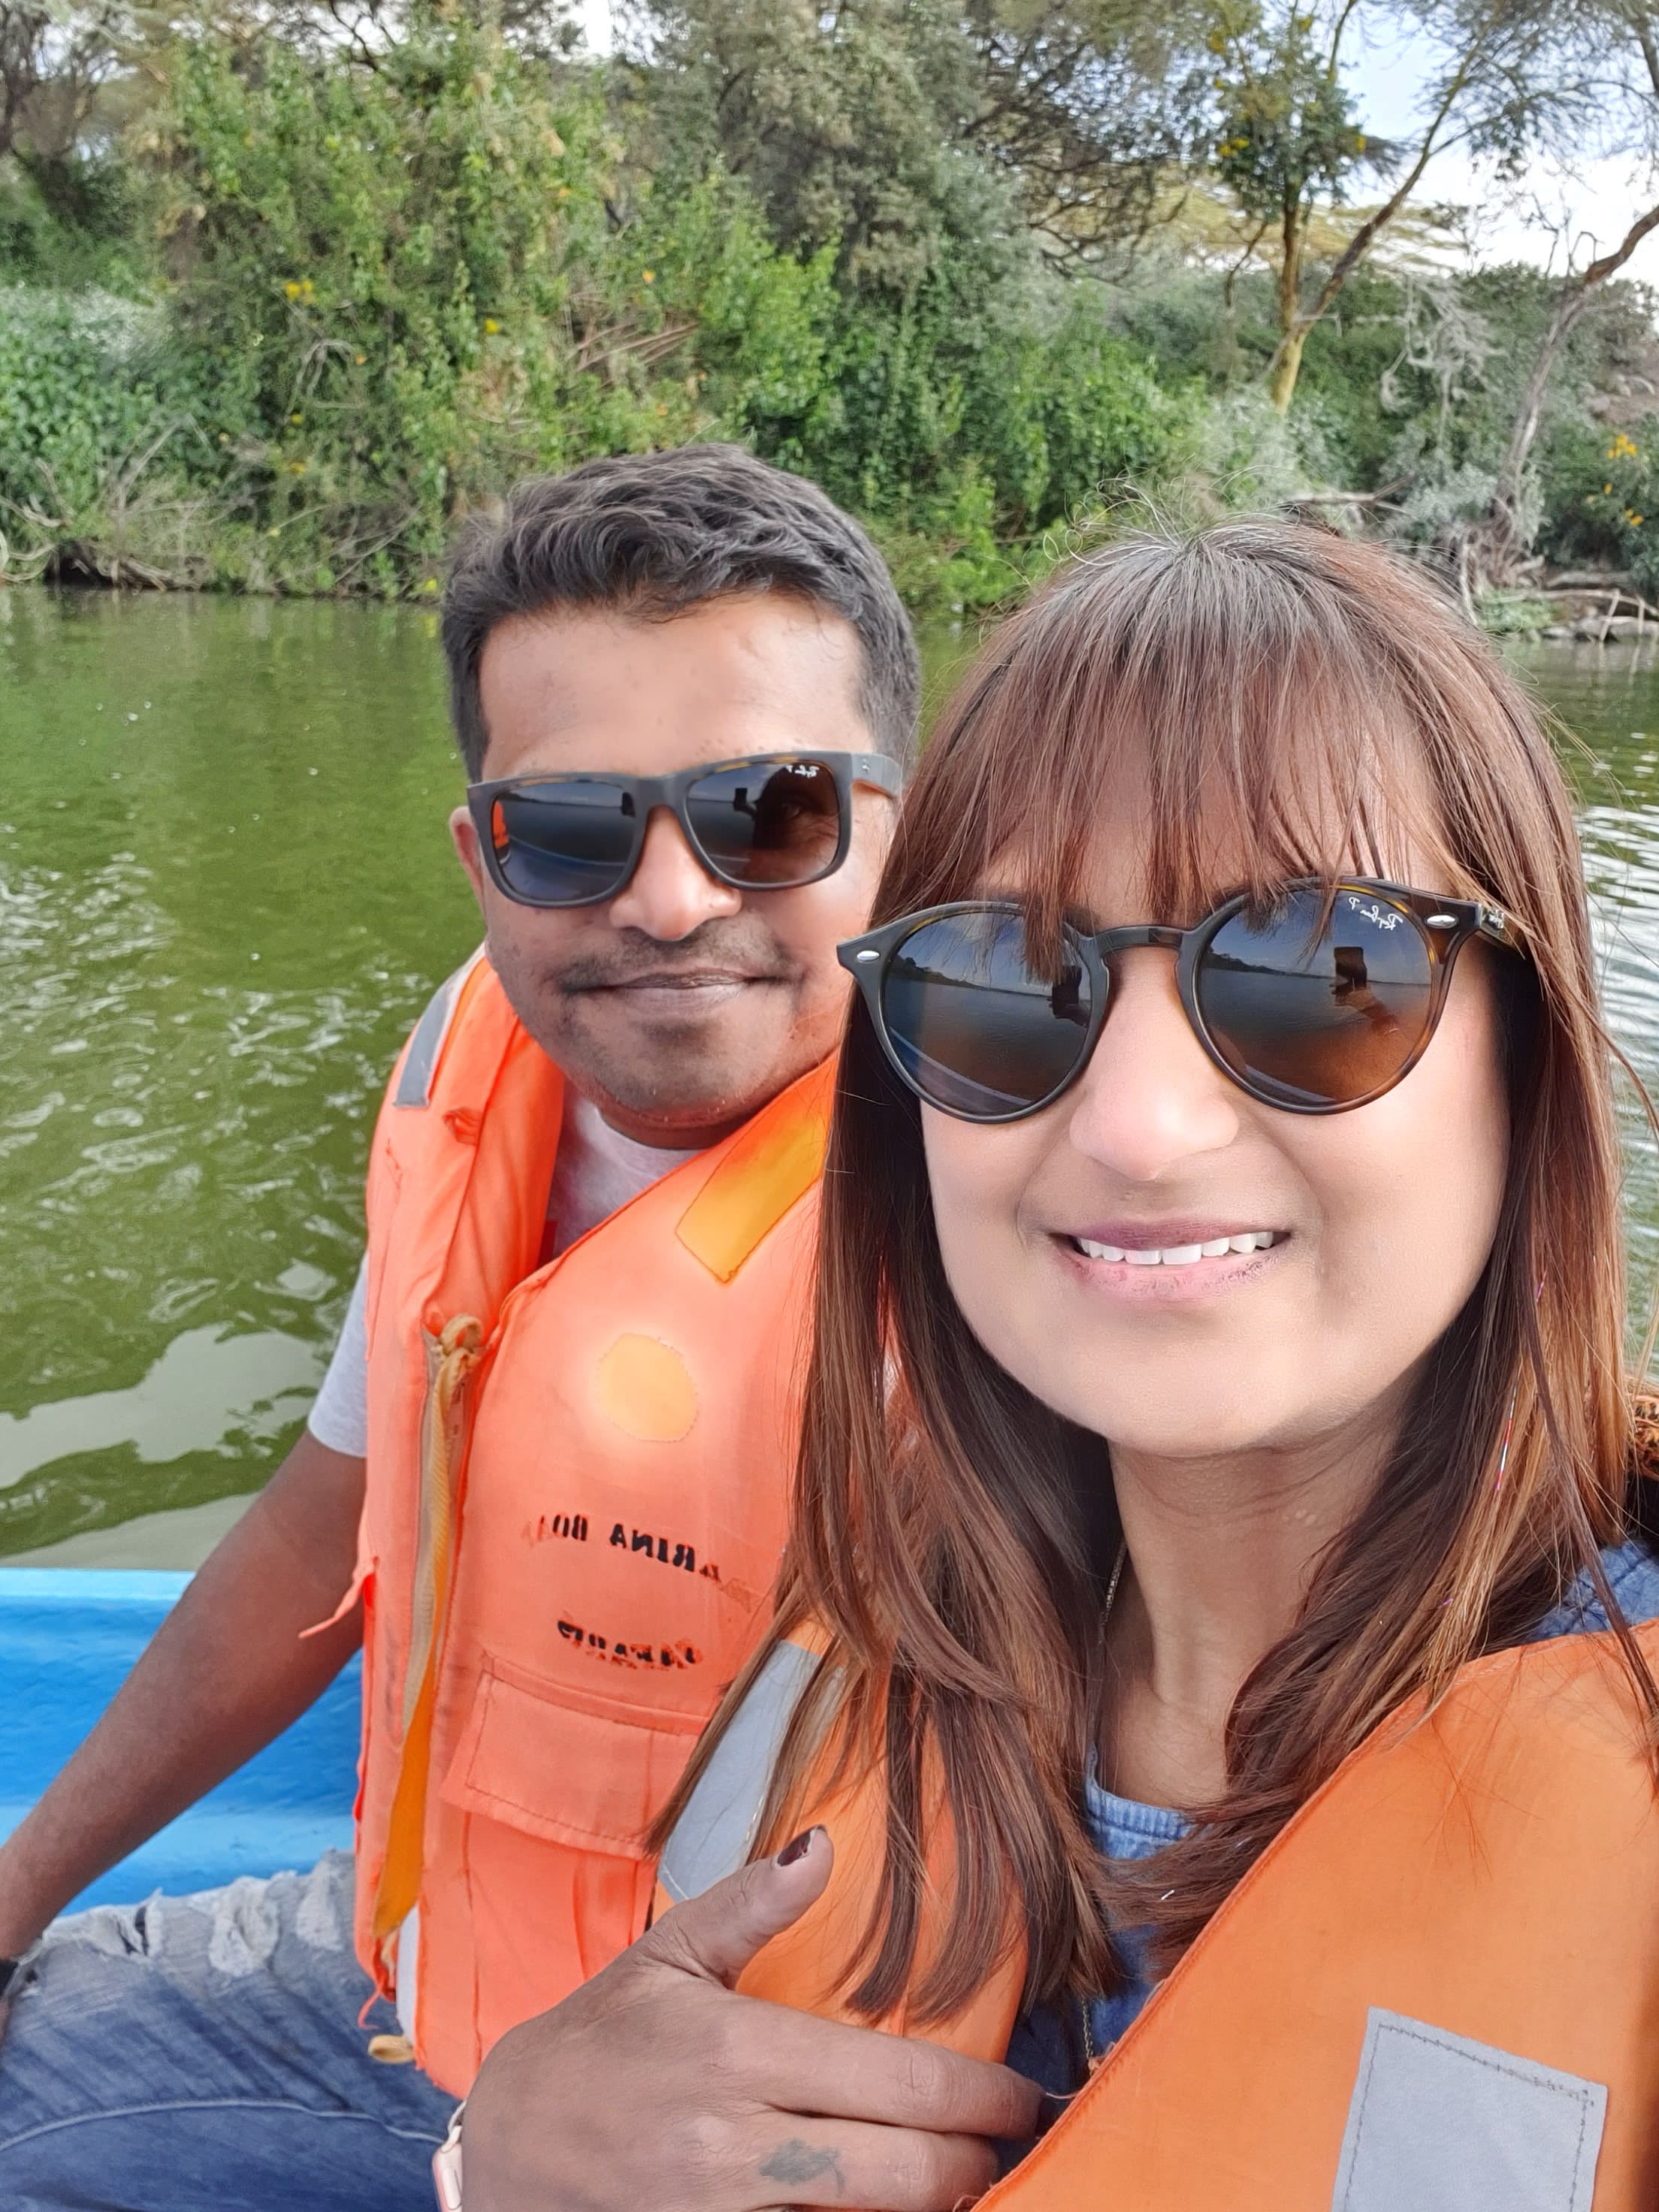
x: 463, y: 836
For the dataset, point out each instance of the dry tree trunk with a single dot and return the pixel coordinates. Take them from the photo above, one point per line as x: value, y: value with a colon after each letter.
x: 1499, y: 537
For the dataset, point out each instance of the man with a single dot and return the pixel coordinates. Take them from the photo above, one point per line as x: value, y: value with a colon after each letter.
x: 545, y: 1481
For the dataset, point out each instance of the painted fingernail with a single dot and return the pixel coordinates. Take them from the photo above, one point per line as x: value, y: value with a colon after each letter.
x: 797, y: 1849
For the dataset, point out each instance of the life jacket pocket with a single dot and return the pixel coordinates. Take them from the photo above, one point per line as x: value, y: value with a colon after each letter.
x: 566, y: 1764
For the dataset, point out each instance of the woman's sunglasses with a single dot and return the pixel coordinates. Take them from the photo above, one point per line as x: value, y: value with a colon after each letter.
x: 1317, y: 1004
x: 769, y: 823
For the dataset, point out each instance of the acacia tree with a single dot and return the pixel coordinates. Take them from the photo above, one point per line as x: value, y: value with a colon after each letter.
x: 862, y: 120
x: 54, y: 62
x: 1092, y: 106
x: 1631, y: 114
x: 1288, y: 140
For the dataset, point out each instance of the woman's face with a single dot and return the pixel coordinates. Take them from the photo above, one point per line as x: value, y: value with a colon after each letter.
x: 1382, y: 1217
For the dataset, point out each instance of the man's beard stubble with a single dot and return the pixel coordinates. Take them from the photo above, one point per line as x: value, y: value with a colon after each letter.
x: 677, y: 1067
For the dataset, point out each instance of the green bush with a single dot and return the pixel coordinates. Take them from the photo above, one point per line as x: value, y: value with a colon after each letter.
x: 1604, y: 499
x: 299, y: 313
x: 85, y: 408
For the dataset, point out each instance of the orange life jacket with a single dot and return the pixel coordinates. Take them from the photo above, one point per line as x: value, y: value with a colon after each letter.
x: 576, y: 1494
x: 1438, y: 1990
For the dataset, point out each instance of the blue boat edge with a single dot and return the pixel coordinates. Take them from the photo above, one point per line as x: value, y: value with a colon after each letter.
x: 68, y: 1636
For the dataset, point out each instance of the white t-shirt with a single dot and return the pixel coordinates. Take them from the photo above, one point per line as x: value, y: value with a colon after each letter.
x: 596, y: 1170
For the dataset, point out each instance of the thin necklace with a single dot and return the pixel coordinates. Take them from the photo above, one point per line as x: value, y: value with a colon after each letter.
x: 1091, y: 2057
x: 1111, y: 1587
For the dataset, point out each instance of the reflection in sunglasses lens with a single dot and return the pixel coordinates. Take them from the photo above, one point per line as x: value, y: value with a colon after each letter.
x: 559, y: 844
x: 1313, y: 1011
x: 768, y: 822
x: 977, y: 1031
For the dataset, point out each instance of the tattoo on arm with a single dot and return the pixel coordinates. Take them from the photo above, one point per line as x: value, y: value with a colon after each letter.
x: 796, y: 2161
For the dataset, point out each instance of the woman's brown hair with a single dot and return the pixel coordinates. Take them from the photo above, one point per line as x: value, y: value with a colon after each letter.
x: 1296, y: 698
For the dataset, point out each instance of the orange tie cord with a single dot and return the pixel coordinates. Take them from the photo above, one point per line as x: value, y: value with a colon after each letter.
x: 457, y: 1351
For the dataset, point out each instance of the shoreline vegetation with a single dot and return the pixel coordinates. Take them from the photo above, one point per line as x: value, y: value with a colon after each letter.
x: 284, y: 293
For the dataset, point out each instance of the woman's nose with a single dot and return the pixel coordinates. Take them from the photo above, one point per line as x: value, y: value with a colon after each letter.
x: 1150, y: 1098
x: 671, y: 893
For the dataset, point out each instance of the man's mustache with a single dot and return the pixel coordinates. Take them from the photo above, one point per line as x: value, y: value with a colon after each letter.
x: 734, y: 943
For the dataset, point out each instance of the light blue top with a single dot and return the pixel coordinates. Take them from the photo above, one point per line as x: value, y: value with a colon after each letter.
x: 1043, y: 2048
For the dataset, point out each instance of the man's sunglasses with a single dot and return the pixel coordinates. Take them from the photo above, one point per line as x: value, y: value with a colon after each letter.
x: 1318, y: 1003
x: 772, y: 821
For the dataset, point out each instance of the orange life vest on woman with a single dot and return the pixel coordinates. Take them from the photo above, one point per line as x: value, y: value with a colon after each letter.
x: 1438, y: 1990
x: 576, y: 1491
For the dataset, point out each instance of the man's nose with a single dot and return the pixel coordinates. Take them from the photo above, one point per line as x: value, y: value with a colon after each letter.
x: 671, y: 893
x: 1150, y: 1098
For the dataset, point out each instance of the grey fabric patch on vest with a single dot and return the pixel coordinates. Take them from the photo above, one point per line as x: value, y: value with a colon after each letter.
x: 1438, y: 2124
x: 714, y: 1836
x: 414, y: 1083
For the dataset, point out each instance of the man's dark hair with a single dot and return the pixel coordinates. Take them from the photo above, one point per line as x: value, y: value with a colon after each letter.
x: 657, y: 534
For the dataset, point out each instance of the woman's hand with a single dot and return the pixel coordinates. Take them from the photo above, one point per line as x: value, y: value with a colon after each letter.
x: 655, y: 2089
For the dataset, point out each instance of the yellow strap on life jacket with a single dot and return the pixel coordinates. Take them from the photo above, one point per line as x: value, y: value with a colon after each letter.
x: 772, y: 1163
x: 457, y: 1354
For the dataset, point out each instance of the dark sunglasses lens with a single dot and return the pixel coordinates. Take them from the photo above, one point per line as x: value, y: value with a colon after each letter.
x: 557, y: 844
x: 1313, y: 1011
x: 769, y: 822
x: 977, y: 1029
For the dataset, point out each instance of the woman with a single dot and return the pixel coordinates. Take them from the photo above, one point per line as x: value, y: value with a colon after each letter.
x: 1220, y: 1353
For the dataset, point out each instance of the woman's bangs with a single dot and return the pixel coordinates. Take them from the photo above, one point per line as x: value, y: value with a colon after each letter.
x: 1259, y: 751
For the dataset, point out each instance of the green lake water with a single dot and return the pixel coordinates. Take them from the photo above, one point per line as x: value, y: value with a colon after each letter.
x: 226, y: 891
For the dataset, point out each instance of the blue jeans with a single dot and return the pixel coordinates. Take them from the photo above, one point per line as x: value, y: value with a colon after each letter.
x: 203, y: 2054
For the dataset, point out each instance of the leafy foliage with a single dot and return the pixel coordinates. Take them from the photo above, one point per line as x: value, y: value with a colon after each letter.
x: 385, y: 289
x: 311, y: 283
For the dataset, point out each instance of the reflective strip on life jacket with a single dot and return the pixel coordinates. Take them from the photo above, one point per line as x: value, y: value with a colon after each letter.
x: 718, y: 1830
x: 421, y: 1060
x: 1438, y: 2121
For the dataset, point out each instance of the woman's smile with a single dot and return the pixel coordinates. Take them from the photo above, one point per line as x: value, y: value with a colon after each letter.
x: 1168, y: 1263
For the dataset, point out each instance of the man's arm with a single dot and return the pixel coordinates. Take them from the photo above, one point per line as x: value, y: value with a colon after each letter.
x: 225, y: 1674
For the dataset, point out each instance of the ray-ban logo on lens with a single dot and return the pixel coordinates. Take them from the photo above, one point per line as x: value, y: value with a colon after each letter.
x: 1371, y: 912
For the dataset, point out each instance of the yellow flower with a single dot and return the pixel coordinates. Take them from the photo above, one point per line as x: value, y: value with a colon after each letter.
x: 492, y: 328
x: 649, y: 274
x: 362, y: 358
x: 1605, y: 488
x: 296, y: 418
x: 292, y: 289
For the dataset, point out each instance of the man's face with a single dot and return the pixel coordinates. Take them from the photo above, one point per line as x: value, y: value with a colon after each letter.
x: 680, y: 1005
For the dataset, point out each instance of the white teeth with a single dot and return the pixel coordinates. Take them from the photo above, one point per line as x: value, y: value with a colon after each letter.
x: 1177, y: 1255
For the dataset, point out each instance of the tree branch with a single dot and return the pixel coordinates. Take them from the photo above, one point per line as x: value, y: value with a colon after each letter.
x: 1336, y: 37
x: 1360, y: 244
